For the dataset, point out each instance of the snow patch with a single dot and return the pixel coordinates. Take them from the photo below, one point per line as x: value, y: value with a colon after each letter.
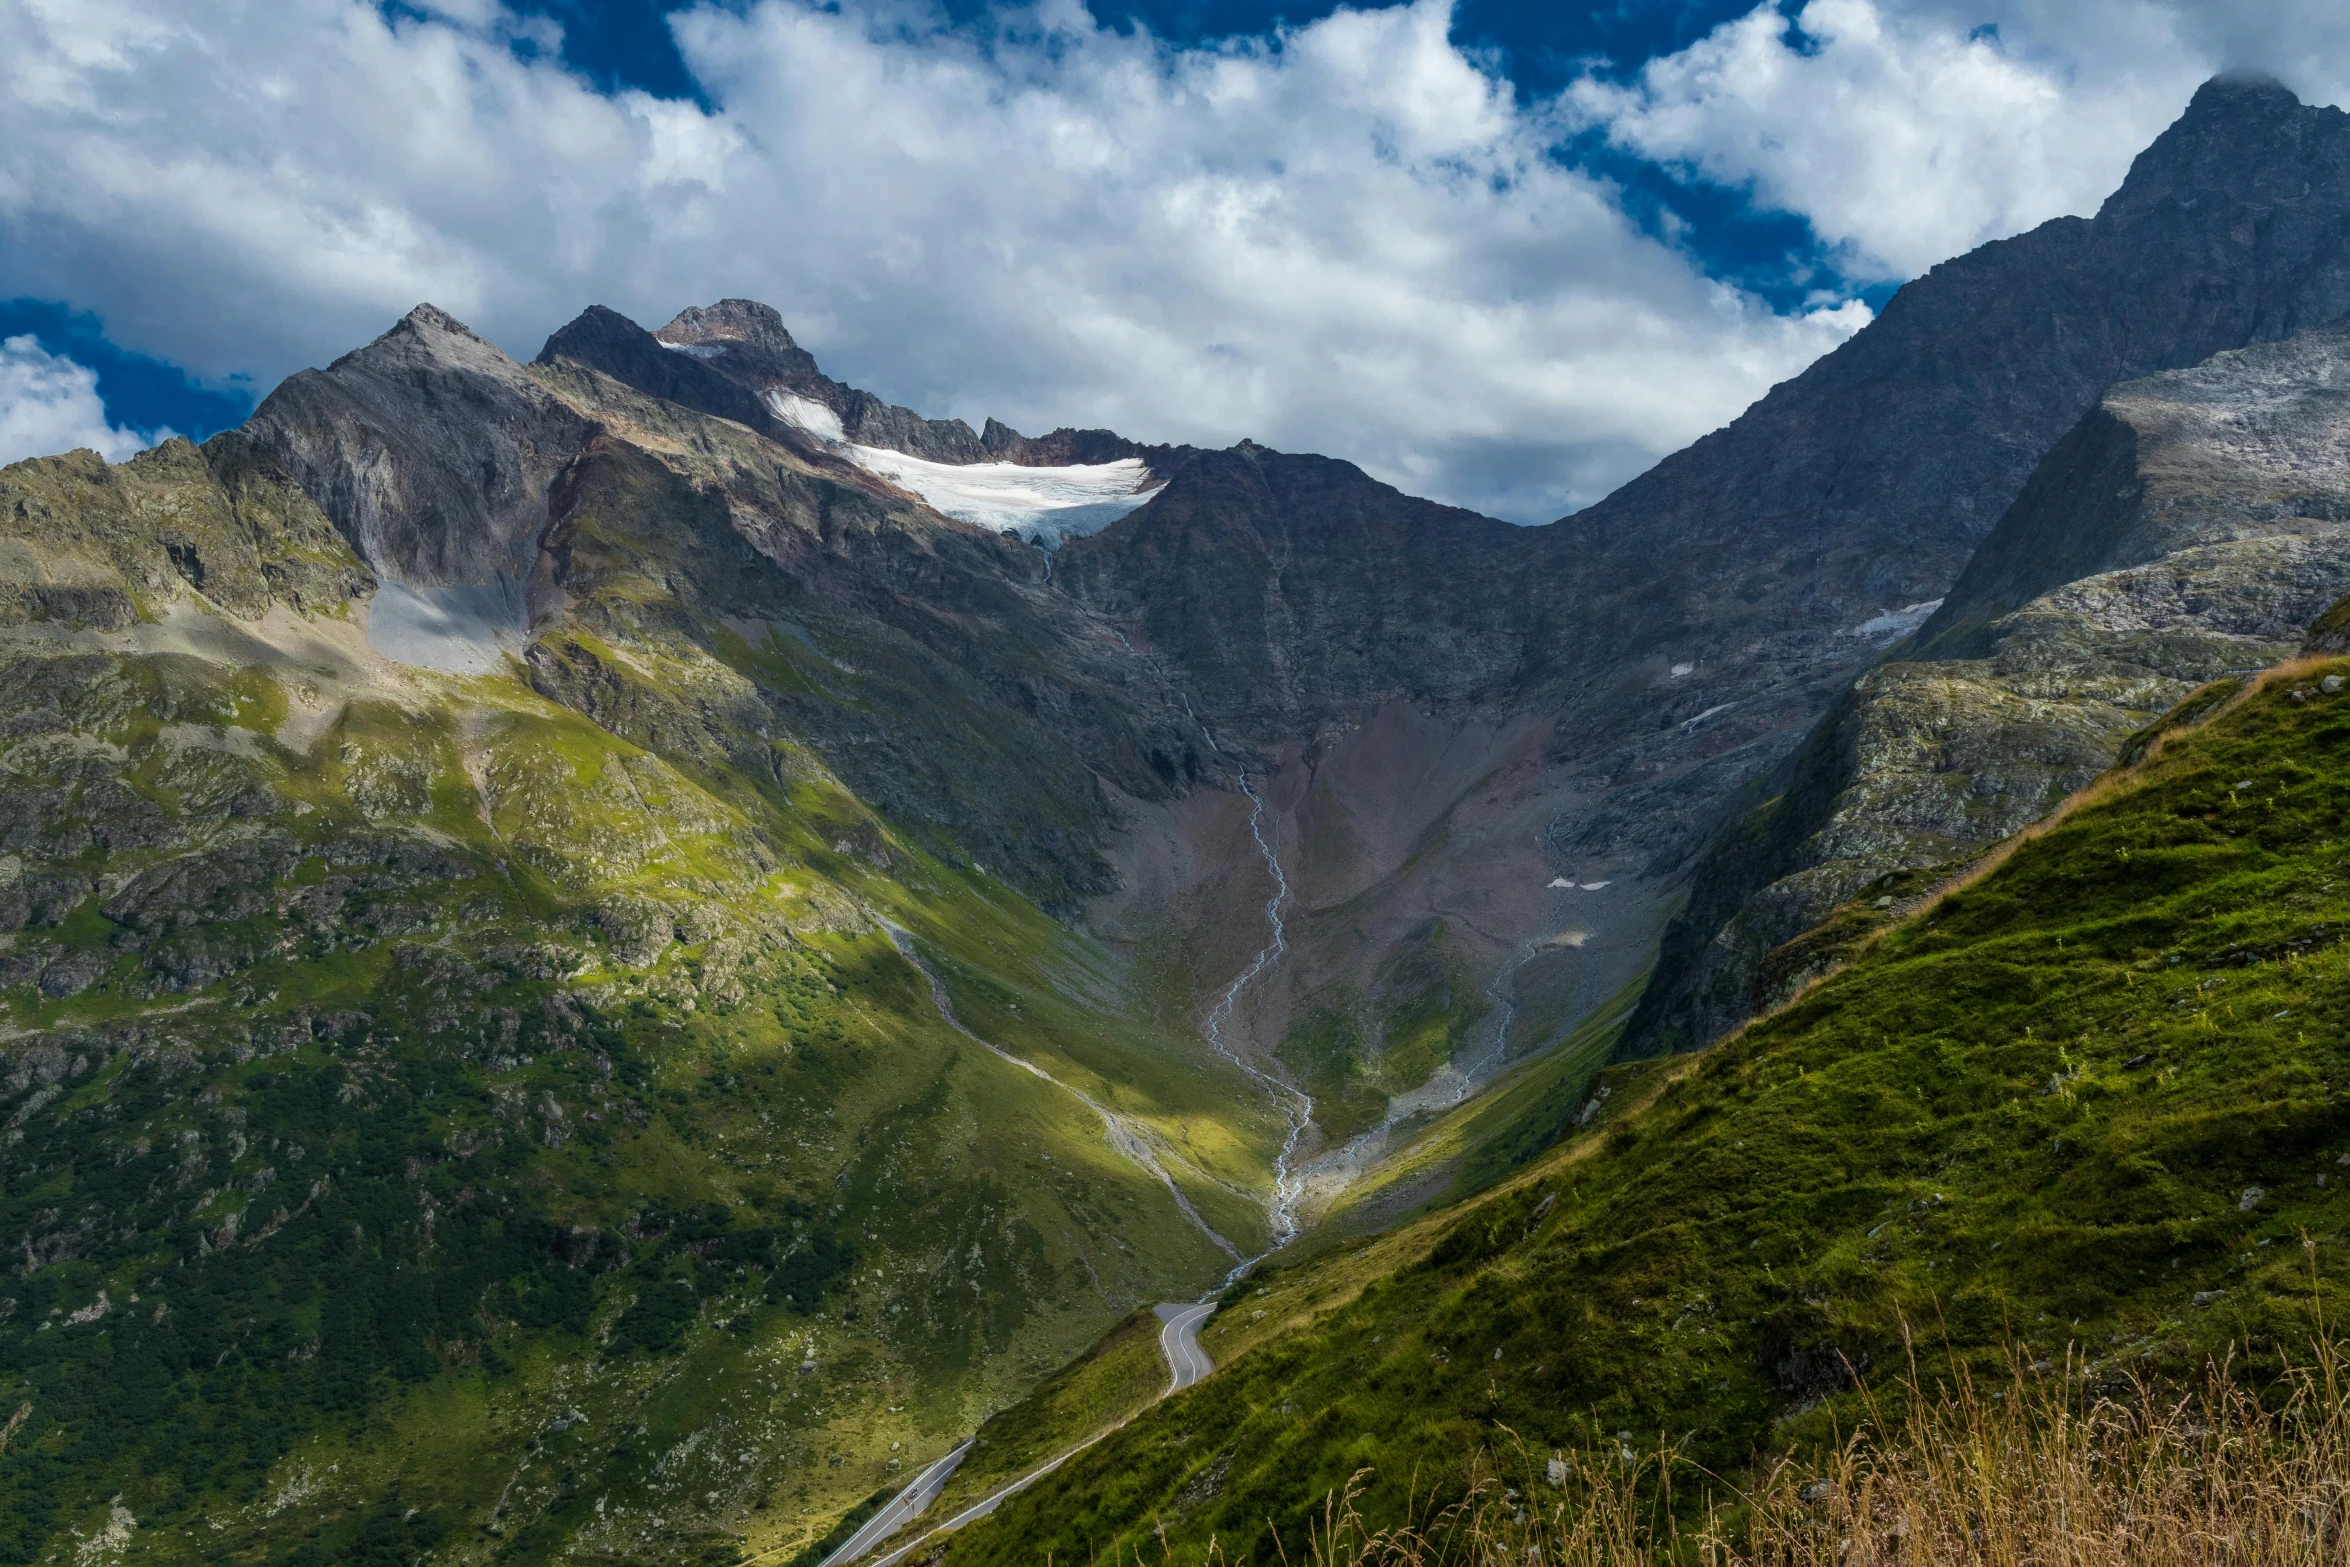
x: 1594, y: 886
x: 698, y: 350
x: 1041, y: 505
x: 1683, y: 669
x: 1560, y: 884
x: 458, y: 631
x: 1896, y: 622
x: 807, y: 414
x: 1718, y: 707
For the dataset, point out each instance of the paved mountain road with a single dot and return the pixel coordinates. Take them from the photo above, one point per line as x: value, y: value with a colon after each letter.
x: 1179, y: 1342
x: 903, y: 1509
x: 1186, y: 1364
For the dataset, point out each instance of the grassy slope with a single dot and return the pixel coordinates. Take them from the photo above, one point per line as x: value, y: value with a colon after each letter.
x: 2092, y: 1098
x: 436, y: 1122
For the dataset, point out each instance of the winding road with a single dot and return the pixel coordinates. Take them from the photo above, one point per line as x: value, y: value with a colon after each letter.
x: 1179, y: 1342
x: 1130, y: 1139
x: 1186, y: 1364
x: 903, y: 1508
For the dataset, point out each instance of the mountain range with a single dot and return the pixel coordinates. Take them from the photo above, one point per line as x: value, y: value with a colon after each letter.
x: 605, y: 957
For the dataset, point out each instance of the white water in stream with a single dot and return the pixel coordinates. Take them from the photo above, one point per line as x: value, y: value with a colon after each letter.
x: 1446, y: 1087
x: 1297, y: 1106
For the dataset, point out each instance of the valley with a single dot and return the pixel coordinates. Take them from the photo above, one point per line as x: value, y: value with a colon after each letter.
x: 646, y: 957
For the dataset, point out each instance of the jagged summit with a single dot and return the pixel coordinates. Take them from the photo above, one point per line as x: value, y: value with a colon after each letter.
x: 430, y: 449
x: 2244, y: 139
x: 747, y: 342
x: 606, y: 340
x: 737, y: 360
x: 428, y: 336
x: 743, y: 325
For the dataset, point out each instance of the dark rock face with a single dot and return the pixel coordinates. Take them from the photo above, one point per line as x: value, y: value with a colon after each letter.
x: 2188, y: 528
x: 1675, y: 643
x: 1862, y: 485
x: 1291, y: 589
x: 608, y: 341
x: 746, y: 342
x: 430, y: 449
x: 1869, y: 479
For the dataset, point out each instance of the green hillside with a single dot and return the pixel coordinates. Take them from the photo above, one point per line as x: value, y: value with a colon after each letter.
x: 441, y: 1116
x: 2092, y: 1099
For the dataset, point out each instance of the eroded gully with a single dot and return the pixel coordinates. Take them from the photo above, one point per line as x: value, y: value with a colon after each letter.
x: 1295, y: 1104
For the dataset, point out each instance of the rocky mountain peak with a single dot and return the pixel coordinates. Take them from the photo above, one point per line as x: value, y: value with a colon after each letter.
x: 2244, y: 138
x: 428, y: 337
x: 429, y: 448
x: 748, y: 342
x: 731, y: 321
x: 605, y: 340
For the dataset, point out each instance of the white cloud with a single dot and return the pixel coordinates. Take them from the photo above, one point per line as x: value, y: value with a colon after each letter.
x: 1909, y: 133
x: 1346, y: 237
x: 49, y: 404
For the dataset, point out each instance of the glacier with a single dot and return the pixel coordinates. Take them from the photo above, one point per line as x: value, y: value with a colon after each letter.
x: 1043, y: 505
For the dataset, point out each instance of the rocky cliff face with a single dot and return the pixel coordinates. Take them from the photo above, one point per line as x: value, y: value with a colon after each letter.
x: 747, y: 343
x: 2188, y: 529
x: 1582, y: 704
x: 431, y: 450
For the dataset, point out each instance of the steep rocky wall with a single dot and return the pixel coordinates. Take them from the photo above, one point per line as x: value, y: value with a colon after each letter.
x: 430, y: 449
x: 1676, y: 642
x: 2188, y: 528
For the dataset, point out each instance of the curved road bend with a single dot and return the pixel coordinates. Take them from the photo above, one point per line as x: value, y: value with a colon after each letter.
x: 1186, y: 1364
x: 1179, y: 1342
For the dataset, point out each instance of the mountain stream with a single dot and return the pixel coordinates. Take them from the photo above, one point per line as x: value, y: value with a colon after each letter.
x: 1297, y: 1106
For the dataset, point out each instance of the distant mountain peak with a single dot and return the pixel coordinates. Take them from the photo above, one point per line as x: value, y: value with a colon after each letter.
x: 429, y: 317
x: 744, y: 321
x: 2243, y: 136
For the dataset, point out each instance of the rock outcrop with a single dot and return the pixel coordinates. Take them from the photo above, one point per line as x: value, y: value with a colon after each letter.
x: 746, y: 342
x: 2188, y: 529
x: 430, y: 449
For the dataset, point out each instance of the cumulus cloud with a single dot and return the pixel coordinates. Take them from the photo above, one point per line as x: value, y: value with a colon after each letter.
x: 1346, y: 237
x: 1349, y: 236
x: 1909, y: 133
x: 50, y: 404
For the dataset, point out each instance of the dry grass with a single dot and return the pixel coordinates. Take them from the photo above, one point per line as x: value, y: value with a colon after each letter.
x: 2040, y: 1470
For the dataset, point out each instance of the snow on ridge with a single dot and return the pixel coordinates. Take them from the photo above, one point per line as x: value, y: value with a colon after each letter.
x: 807, y: 414
x: 697, y: 350
x: 1041, y: 505
x: 1897, y: 622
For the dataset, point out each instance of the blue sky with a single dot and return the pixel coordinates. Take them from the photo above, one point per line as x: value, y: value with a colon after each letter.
x: 1502, y: 254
